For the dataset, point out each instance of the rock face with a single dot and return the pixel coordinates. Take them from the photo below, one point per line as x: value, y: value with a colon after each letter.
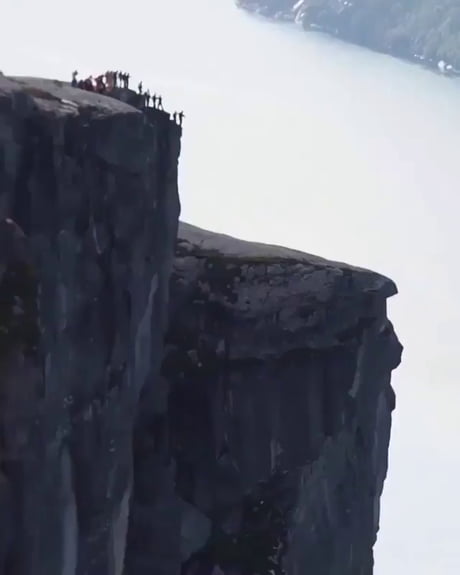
x: 272, y: 419
x: 251, y: 434
x: 89, y: 185
x: 416, y: 31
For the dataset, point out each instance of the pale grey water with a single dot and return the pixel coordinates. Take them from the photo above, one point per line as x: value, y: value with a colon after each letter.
x: 304, y: 141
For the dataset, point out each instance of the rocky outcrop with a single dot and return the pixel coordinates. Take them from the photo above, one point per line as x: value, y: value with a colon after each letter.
x: 267, y: 433
x: 420, y: 32
x: 279, y: 9
x: 252, y: 433
x: 89, y: 210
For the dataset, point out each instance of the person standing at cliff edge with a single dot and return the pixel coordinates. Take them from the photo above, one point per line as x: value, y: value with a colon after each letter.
x: 110, y: 80
x: 100, y: 86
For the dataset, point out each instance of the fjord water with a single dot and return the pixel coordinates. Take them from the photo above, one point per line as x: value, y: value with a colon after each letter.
x: 301, y: 140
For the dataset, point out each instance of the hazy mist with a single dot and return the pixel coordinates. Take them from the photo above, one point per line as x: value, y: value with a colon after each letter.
x: 297, y: 139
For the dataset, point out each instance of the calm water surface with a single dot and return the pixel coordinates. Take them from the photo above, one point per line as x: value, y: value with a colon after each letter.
x: 301, y: 140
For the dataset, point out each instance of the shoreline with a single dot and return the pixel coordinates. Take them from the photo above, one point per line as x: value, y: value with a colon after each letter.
x: 440, y: 68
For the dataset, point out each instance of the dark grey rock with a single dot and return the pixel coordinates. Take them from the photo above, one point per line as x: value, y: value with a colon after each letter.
x: 256, y: 438
x: 92, y: 183
x: 278, y: 366
x: 6, y: 521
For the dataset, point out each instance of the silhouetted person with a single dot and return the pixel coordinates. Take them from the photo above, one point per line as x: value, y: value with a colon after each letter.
x: 89, y: 84
x: 154, y: 100
x: 147, y: 98
x: 100, y: 86
x: 74, y: 79
x: 181, y: 118
x: 115, y: 78
x: 174, y: 117
x: 127, y: 80
x: 139, y: 87
x: 160, y: 102
x: 110, y: 80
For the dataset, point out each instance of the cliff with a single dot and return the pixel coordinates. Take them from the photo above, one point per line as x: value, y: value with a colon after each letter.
x: 423, y: 31
x: 250, y: 430
x: 91, y: 186
x: 274, y: 439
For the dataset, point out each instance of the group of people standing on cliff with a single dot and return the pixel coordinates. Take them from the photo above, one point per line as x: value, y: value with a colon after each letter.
x: 157, y: 101
x: 106, y: 83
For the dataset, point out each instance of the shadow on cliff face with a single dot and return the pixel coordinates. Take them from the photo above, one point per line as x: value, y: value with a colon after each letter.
x: 18, y: 309
x: 35, y: 174
x: 19, y: 342
x: 268, y: 446
x: 261, y: 541
x: 19, y: 329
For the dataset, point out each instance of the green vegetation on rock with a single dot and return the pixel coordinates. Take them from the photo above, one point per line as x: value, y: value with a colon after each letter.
x: 411, y: 28
x: 425, y: 30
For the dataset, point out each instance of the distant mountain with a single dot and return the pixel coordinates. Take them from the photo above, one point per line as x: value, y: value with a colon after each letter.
x: 424, y: 30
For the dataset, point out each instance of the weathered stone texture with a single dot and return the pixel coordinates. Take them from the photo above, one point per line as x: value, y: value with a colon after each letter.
x: 253, y: 436
x: 92, y: 184
x: 277, y: 419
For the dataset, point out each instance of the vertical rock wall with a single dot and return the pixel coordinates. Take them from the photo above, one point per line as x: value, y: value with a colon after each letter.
x: 89, y: 209
x: 261, y: 444
x: 264, y: 447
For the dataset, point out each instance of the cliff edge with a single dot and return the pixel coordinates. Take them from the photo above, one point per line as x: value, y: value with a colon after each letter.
x: 269, y: 426
x: 249, y: 430
x: 89, y: 205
